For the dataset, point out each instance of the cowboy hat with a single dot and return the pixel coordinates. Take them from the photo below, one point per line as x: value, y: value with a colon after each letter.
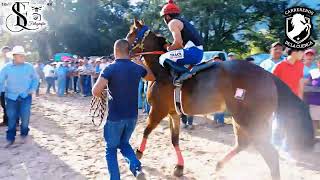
x: 17, y: 50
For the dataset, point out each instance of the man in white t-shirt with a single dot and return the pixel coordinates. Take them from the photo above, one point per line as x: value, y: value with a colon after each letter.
x: 49, y: 75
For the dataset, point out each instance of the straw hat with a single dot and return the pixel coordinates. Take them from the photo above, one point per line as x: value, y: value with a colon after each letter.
x: 17, y: 50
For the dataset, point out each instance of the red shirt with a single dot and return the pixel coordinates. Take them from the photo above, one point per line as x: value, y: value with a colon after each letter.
x: 289, y: 73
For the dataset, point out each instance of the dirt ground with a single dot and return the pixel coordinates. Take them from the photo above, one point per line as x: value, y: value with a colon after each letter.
x: 63, y: 144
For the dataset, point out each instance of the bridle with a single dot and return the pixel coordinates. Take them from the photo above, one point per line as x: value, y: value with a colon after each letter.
x: 138, y: 43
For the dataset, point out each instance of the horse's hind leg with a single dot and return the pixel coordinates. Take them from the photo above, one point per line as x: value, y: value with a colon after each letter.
x: 270, y: 155
x: 155, y: 116
x: 175, y: 130
x: 242, y: 142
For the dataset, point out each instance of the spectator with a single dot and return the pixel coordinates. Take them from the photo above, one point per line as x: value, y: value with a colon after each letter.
x: 187, y: 122
x: 39, y: 69
x: 97, y: 69
x: 85, y: 71
x: 20, y: 80
x: 145, y: 92
x: 5, y: 60
x: 62, y: 73
x: 276, y: 55
x: 290, y: 71
x: 49, y: 74
x: 312, y: 94
x: 104, y: 63
x: 219, y: 118
x: 68, y: 78
x: 308, y: 61
x: 122, y: 78
x: 216, y: 58
x: 74, y: 74
x: 231, y: 56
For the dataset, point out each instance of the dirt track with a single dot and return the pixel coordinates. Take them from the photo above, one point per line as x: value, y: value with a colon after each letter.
x: 65, y: 145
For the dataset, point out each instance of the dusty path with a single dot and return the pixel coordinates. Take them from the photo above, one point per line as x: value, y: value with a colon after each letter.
x: 65, y: 145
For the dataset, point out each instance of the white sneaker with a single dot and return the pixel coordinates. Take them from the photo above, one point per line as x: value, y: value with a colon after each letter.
x: 140, y: 175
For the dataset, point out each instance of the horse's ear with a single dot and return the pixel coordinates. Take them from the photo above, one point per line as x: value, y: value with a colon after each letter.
x: 142, y: 22
x: 136, y: 23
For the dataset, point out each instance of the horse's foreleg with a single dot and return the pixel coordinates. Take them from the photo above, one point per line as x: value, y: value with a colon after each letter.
x: 175, y: 130
x: 155, y: 116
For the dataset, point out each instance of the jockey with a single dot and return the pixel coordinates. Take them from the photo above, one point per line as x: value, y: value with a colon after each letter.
x: 187, y: 46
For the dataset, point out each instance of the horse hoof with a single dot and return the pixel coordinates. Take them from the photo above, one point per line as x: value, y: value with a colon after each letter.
x: 219, y: 166
x: 139, y: 154
x: 178, y: 171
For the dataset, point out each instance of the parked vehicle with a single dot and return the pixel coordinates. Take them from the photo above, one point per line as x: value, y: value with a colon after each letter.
x: 258, y: 58
x: 207, y: 55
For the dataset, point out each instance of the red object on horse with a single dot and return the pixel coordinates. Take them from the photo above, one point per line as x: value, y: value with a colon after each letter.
x: 148, y: 53
x: 170, y: 8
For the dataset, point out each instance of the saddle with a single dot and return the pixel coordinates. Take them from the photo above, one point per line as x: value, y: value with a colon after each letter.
x: 180, y: 74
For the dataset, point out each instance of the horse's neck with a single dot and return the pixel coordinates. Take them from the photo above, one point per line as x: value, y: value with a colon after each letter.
x: 160, y: 73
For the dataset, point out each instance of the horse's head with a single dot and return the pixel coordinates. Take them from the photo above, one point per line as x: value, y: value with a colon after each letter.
x: 141, y: 38
x: 297, y: 19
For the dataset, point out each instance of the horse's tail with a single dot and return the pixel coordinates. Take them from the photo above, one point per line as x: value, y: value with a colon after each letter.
x: 294, y: 116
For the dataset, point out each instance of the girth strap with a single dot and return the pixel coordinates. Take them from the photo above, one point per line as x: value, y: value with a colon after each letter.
x: 177, y: 99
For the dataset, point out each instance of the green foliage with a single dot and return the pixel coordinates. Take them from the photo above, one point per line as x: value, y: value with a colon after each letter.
x: 90, y: 27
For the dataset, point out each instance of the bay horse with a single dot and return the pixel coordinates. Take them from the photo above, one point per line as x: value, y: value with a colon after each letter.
x: 213, y: 90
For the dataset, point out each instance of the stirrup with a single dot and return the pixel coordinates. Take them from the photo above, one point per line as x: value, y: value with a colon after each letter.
x: 185, y: 76
x: 175, y: 76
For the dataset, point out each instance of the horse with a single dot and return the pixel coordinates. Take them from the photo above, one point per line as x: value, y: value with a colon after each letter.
x: 213, y: 90
x: 299, y: 23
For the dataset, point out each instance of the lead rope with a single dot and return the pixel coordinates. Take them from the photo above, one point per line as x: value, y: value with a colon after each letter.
x: 98, y: 107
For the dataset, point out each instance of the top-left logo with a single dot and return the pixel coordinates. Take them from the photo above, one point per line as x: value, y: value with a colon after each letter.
x: 23, y: 17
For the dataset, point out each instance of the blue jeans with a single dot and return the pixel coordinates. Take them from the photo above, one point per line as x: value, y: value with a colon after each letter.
x: 219, y: 117
x: 188, y: 120
x: 38, y: 89
x: 86, y: 84
x: 18, y: 108
x: 67, y: 84
x: 117, y: 135
x: 61, y: 86
x: 50, y: 83
x: 75, y: 84
x: 146, y: 104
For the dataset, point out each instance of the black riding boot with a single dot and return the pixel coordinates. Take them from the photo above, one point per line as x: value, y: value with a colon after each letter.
x: 177, y: 68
